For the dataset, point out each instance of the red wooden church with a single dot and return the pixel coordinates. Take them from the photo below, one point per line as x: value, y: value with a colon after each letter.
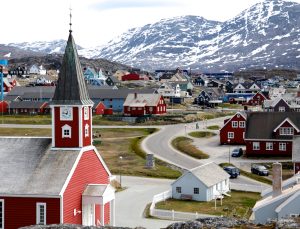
x: 63, y: 179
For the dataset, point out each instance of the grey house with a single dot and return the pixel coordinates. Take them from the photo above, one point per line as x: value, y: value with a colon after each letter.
x: 282, y: 201
x: 202, y: 183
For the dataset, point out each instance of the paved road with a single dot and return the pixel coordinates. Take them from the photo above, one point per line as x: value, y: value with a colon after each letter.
x: 159, y: 143
x: 131, y: 202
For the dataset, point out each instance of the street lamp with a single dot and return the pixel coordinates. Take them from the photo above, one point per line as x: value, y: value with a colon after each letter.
x: 228, y: 150
x: 120, y: 171
x: 185, y: 129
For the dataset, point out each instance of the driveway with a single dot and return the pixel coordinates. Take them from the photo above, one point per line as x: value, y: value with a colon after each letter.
x: 131, y: 202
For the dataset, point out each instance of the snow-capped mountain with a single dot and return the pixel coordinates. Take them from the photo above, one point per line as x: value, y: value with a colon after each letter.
x: 48, y: 47
x: 265, y: 35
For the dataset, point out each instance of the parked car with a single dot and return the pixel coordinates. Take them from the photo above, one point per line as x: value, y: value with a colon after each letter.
x: 237, y: 152
x: 232, y: 171
x: 259, y: 169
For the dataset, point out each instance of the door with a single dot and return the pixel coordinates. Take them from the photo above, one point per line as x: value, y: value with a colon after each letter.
x: 88, y: 215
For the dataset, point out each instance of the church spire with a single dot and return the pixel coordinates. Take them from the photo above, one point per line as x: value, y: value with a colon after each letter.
x: 71, y: 87
x: 70, y: 20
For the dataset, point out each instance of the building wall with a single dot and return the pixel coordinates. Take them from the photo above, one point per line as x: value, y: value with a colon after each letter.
x: 115, y: 104
x: 99, y: 110
x: 282, y: 103
x: 267, y: 212
x: 263, y: 152
x: 3, y: 107
x: 21, y: 211
x: 66, y: 142
x: 187, y: 183
x: 88, y: 171
x: 292, y: 208
x: 238, y: 132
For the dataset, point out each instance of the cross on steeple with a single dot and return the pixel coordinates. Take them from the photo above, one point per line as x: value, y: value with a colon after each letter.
x: 70, y: 20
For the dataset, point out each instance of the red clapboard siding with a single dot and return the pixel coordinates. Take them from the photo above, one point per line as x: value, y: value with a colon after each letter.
x: 88, y: 171
x: 21, y: 211
x: 263, y: 152
x: 107, y: 216
x: 97, y: 214
x: 66, y: 142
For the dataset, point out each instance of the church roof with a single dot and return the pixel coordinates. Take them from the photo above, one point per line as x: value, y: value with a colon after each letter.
x: 71, y: 88
x: 29, y: 166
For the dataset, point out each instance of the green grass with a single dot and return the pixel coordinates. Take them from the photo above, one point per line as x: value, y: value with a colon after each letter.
x: 25, y: 119
x: 229, y: 105
x: 184, y: 145
x: 239, y: 204
x: 214, y: 127
x: 127, y: 145
x: 251, y: 175
x: 25, y: 132
x: 202, y: 134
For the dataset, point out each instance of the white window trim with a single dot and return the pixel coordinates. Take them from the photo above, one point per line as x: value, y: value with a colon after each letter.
x: 269, y: 144
x: 2, y: 202
x: 178, y: 188
x: 244, y: 124
x: 86, y: 130
x: 38, y: 213
x: 66, y: 127
x: 235, y: 126
x: 281, y: 109
x: 230, y: 135
x: 256, y: 143
x: 281, y: 148
x: 86, y: 113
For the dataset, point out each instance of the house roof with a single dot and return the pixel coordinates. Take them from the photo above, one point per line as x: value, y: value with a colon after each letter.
x: 71, y: 88
x: 209, y: 174
x: 30, y: 167
x: 273, y: 102
x: 142, y: 100
x: 268, y: 121
x: 97, y: 189
x: 114, y: 79
x: 26, y: 104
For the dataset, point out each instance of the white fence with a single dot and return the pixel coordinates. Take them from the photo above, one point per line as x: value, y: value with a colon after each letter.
x: 171, y: 215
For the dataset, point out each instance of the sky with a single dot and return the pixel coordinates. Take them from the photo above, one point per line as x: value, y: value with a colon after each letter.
x: 95, y: 22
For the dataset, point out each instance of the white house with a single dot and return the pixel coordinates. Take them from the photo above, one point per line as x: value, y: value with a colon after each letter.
x: 34, y: 69
x: 280, y: 202
x: 202, y: 183
x: 44, y: 80
x: 42, y: 70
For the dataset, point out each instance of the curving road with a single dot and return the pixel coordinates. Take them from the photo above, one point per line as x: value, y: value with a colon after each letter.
x: 159, y: 143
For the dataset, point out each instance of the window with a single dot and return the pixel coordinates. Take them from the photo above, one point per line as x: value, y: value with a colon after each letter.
x: 86, y: 113
x: 286, y: 131
x: 269, y: 146
x: 1, y: 214
x: 230, y: 135
x: 255, y: 145
x: 151, y: 109
x: 281, y: 109
x: 234, y: 124
x: 282, y: 146
x: 178, y: 189
x: 41, y: 213
x: 66, y: 131
x: 86, y: 130
x: 242, y: 124
x: 196, y: 190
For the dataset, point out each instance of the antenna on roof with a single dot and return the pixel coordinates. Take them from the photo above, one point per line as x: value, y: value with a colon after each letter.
x: 70, y: 20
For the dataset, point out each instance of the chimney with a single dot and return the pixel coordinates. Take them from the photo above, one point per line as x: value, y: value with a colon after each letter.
x: 277, y: 179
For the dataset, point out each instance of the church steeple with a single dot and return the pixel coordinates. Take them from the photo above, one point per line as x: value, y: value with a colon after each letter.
x: 71, y: 88
x: 71, y: 105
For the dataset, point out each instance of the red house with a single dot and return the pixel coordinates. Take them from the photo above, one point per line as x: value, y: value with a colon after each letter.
x: 144, y: 104
x: 233, y: 130
x: 62, y: 179
x: 27, y: 107
x: 257, y: 99
x: 3, y: 106
x: 131, y: 76
x: 99, y: 108
x: 271, y: 133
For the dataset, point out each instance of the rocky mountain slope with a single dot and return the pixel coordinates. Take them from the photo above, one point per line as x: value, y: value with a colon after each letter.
x: 267, y: 35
